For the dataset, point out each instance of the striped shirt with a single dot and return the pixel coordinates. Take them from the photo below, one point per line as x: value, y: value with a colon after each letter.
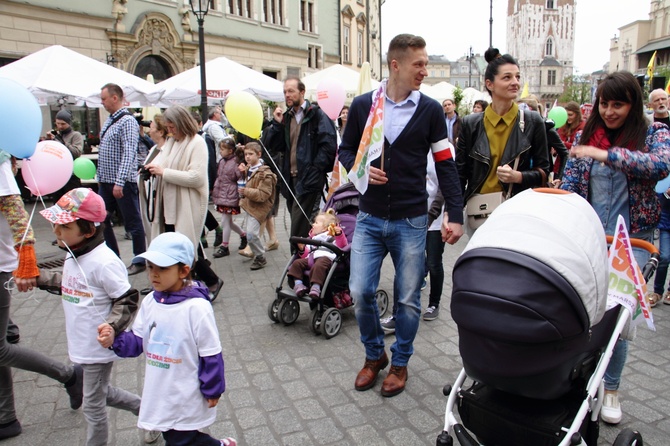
x: 117, y: 161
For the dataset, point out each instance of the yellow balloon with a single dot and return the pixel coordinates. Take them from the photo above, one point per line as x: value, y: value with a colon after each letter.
x: 244, y: 113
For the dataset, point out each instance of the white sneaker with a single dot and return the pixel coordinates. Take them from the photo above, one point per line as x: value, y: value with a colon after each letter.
x: 611, y: 410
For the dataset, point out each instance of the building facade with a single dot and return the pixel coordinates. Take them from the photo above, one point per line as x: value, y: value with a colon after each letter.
x: 275, y: 37
x: 541, y: 36
x: 636, y: 43
x: 360, y: 35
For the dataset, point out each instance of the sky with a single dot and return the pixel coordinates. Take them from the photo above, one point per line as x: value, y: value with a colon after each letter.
x: 450, y: 27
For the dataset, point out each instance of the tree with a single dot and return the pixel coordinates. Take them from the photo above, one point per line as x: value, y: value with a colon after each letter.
x: 458, y: 96
x: 576, y: 88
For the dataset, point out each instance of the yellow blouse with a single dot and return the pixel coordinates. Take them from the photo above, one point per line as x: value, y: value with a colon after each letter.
x: 498, y: 129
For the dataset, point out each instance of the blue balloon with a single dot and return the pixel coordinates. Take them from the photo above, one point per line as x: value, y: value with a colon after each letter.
x: 663, y: 185
x: 20, y: 119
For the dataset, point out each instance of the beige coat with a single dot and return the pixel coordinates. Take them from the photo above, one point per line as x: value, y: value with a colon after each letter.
x: 182, y: 190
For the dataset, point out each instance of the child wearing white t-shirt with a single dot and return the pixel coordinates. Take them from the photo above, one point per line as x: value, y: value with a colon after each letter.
x: 175, y: 328
x: 94, y: 288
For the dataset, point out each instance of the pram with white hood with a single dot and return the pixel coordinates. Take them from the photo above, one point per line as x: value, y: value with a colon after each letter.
x: 529, y: 298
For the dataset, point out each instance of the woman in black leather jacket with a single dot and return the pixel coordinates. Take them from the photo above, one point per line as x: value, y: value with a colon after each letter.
x: 490, y: 142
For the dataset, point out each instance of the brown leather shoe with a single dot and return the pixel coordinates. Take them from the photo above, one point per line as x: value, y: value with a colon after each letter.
x: 395, y: 381
x: 368, y: 375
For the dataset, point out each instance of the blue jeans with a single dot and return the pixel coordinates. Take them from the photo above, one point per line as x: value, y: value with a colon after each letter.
x: 129, y: 207
x: 662, y: 270
x: 615, y: 367
x: 405, y: 240
x: 435, y: 266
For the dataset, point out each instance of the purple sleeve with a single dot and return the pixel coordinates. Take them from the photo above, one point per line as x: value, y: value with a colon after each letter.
x: 127, y: 345
x: 210, y: 374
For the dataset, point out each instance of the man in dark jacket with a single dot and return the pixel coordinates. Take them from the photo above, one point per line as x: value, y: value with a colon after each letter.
x: 307, y: 138
x: 393, y: 210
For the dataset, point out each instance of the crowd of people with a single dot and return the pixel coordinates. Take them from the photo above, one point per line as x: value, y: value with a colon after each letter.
x: 162, y: 186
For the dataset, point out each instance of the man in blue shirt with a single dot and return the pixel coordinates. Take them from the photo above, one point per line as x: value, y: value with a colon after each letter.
x: 452, y: 120
x: 117, y: 172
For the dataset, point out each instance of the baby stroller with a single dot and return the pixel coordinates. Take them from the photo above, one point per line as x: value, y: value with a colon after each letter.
x: 529, y: 299
x: 326, y: 318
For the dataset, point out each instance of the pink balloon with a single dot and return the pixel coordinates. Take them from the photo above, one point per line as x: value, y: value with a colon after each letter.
x: 330, y: 95
x: 48, y: 169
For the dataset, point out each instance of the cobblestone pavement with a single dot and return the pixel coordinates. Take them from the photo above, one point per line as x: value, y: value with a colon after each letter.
x: 286, y: 386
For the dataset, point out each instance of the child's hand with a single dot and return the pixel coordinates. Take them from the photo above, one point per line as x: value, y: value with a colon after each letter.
x: 24, y: 285
x: 105, y: 335
x: 241, y: 191
x: 242, y: 167
x: 334, y: 230
x: 211, y: 402
x: 301, y: 246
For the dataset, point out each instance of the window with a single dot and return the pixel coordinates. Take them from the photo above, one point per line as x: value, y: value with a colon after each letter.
x: 456, y: 84
x: 359, y: 42
x: 273, y: 12
x: 314, y: 56
x: 242, y: 8
x: 441, y: 73
x: 551, y: 77
x: 549, y: 48
x: 550, y: 4
x: 307, y: 16
x: 346, y: 50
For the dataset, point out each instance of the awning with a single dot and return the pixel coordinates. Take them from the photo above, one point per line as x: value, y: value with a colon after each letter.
x: 653, y: 46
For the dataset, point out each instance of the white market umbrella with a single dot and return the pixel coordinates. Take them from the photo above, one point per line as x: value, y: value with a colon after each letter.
x: 223, y: 76
x: 440, y: 91
x: 56, y: 73
x: 346, y: 76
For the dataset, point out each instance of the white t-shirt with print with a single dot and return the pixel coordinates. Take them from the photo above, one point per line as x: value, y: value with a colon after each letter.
x: 174, y: 337
x: 89, y: 284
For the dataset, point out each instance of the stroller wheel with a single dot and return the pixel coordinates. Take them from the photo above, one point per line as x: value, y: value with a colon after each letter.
x: 628, y: 437
x: 331, y: 322
x: 289, y: 310
x: 273, y: 308
x: 315, y: 324
x: 382, y: 299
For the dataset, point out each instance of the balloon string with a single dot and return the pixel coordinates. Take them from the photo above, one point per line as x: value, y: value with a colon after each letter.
x: 295, y: 200
x: 11, y: 286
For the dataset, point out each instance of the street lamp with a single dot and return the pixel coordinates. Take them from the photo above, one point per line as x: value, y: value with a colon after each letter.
x: 200, y: 9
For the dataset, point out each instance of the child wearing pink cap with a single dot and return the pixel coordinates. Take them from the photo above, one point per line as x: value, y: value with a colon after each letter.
x: 95, y: 289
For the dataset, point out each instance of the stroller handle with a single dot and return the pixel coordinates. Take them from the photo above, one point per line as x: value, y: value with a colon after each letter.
x: 650, y: 267
x: 308, y: 241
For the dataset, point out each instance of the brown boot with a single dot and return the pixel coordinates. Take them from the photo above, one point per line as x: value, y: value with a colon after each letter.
x: 368, y: 375
x: 395, y: 381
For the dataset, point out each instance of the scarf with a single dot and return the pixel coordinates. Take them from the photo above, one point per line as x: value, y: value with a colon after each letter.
x: 602, y: 139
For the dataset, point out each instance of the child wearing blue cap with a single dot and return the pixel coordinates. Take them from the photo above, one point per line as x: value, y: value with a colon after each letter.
x: 175, y: 328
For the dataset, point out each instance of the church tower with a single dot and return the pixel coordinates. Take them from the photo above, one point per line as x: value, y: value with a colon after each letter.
x: 541, y: 36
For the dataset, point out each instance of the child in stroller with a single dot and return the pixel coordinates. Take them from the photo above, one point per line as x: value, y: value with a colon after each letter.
x: 326, y: 318
x: 316, y: 259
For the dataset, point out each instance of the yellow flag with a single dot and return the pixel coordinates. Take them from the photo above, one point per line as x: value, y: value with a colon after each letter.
x: 650, y: 67
x: 667, y: 87
x: 524, y: 92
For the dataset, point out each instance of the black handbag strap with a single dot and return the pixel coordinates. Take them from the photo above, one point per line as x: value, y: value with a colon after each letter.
x: 125, y: 112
